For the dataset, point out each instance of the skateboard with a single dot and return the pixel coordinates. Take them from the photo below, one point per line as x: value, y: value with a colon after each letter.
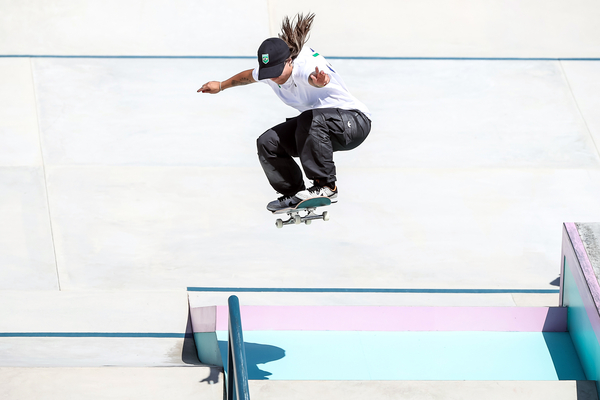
x: 309, y: 206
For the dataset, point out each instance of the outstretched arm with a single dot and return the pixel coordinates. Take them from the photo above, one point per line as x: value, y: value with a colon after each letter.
x: 213, y: 87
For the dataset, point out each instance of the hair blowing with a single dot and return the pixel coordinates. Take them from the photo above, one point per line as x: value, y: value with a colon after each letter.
x: 296, y: 32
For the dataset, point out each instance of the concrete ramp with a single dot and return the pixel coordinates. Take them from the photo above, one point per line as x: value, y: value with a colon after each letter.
x: 138, y: 186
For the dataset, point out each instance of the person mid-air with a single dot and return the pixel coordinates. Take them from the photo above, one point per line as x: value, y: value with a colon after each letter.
x: 330, y: 119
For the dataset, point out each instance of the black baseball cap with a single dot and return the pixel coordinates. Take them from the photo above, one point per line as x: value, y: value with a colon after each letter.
x: 272, y: 54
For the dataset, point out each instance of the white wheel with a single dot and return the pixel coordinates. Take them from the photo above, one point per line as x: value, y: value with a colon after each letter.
x: 325, y: 216
x: 297, y: 219
x: 307, y: 222
x: 279, y: 223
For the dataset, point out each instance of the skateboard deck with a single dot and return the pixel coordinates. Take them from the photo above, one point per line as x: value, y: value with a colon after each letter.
x: 308, y: 207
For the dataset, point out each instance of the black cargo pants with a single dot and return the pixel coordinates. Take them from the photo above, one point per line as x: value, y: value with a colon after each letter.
x: 312, y: 136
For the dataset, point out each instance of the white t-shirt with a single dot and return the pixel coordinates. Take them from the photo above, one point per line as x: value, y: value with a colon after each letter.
x: 301, y: 95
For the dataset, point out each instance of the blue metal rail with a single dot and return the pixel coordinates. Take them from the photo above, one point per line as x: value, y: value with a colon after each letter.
x: 237, y: 370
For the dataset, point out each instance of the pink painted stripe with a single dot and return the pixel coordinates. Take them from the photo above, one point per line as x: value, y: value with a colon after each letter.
x: 371, y: 318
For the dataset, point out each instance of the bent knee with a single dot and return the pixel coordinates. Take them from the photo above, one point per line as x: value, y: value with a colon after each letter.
x: 267, y: 141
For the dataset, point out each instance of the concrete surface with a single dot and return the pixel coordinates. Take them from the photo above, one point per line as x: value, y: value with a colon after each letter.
x: 93, y: 329
x: 19, y: 134
x: 457, y: 28
x: 590, y: 236
x: 426, y: 390
x: 187, y: 383
x: 110, y: 383
x: 584, y: 81
x: 97, y: 311
x: 480, y: 158
x: 121, y: 186
x: 134, y: 27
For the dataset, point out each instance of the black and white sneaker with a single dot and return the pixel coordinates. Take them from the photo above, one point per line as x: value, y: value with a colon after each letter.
x: 318, y: 191
x: 283, y: 203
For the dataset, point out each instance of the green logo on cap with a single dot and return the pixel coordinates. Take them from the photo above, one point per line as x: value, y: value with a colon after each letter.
x: 265, y: 58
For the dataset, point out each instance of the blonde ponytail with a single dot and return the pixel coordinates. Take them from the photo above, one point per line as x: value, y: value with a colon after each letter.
x: 296, y: 32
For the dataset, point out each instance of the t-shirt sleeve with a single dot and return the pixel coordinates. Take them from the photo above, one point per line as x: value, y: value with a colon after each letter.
x: 255, y: 74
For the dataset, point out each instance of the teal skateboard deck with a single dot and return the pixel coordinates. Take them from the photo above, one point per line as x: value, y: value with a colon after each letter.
x: 308, y: 207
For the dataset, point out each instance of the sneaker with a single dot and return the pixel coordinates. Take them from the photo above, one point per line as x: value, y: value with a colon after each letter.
x: 283, y: 203
x: 318, y: 191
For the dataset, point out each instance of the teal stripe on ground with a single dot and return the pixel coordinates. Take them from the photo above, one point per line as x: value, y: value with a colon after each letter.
x: 294, y: 355
x: 365, y: 290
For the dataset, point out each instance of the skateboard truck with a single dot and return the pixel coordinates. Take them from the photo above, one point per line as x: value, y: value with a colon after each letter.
x: 309, y: 206
x: 296, y: 218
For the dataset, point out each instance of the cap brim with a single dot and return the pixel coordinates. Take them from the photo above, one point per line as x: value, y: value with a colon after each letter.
x: 272, y: 71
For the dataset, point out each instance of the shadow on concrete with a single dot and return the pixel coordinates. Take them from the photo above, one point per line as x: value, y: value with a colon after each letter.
x: 255, y: 354
x: 556, y: 320
x: 564, y: 357
x: 556, y: 282
x: 189, y: 353
x: 213, y: 376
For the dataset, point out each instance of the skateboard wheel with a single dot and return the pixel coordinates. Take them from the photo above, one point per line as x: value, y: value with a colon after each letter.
x: 279, y: 223
x: 307, y: 222
x: 325, y: 216
x: 297, y: 219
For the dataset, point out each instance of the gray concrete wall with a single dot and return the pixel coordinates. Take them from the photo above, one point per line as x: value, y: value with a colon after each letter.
x: 380, y: 28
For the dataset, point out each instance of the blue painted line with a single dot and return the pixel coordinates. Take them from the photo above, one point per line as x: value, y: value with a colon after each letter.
x: 331, y: 58
x: 141, y: 57
x: 352, y: 290
x: 97, y: 335
x: 467, y: 58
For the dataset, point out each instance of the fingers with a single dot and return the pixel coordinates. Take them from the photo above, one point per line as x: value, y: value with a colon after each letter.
x: 203, y: 89
x: 320, y: 78
x: 209, y: 88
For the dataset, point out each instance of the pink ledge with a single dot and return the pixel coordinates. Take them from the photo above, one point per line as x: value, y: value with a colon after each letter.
x: 372, y: 318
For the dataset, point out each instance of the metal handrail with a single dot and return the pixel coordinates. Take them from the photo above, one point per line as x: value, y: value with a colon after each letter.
x: 237, y: 368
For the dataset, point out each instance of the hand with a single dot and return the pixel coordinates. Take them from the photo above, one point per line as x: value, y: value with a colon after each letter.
x: 212, y: 87
x: 319, y: 78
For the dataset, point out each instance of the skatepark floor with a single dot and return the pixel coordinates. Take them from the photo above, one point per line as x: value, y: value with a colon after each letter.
x: 122, y: 187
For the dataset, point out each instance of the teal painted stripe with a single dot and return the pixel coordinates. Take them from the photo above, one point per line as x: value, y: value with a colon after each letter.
x: 135, y: 57
x: 330, y: 355
x: 467, y: 58
x: 332, y: 58
x: 364, y: 290
x: 580, y: 327
x: 96, y: 335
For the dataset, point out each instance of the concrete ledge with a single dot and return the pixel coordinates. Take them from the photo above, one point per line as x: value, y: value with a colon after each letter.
x: 95, y: 328
x: 424, y: 390
x: 111, y: 383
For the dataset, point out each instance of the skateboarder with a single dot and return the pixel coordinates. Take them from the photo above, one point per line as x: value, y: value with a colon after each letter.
x: 330, y: 119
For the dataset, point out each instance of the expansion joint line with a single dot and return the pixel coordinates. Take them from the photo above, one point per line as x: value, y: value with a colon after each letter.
x: 579, y: 108
x: 37, y: 117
